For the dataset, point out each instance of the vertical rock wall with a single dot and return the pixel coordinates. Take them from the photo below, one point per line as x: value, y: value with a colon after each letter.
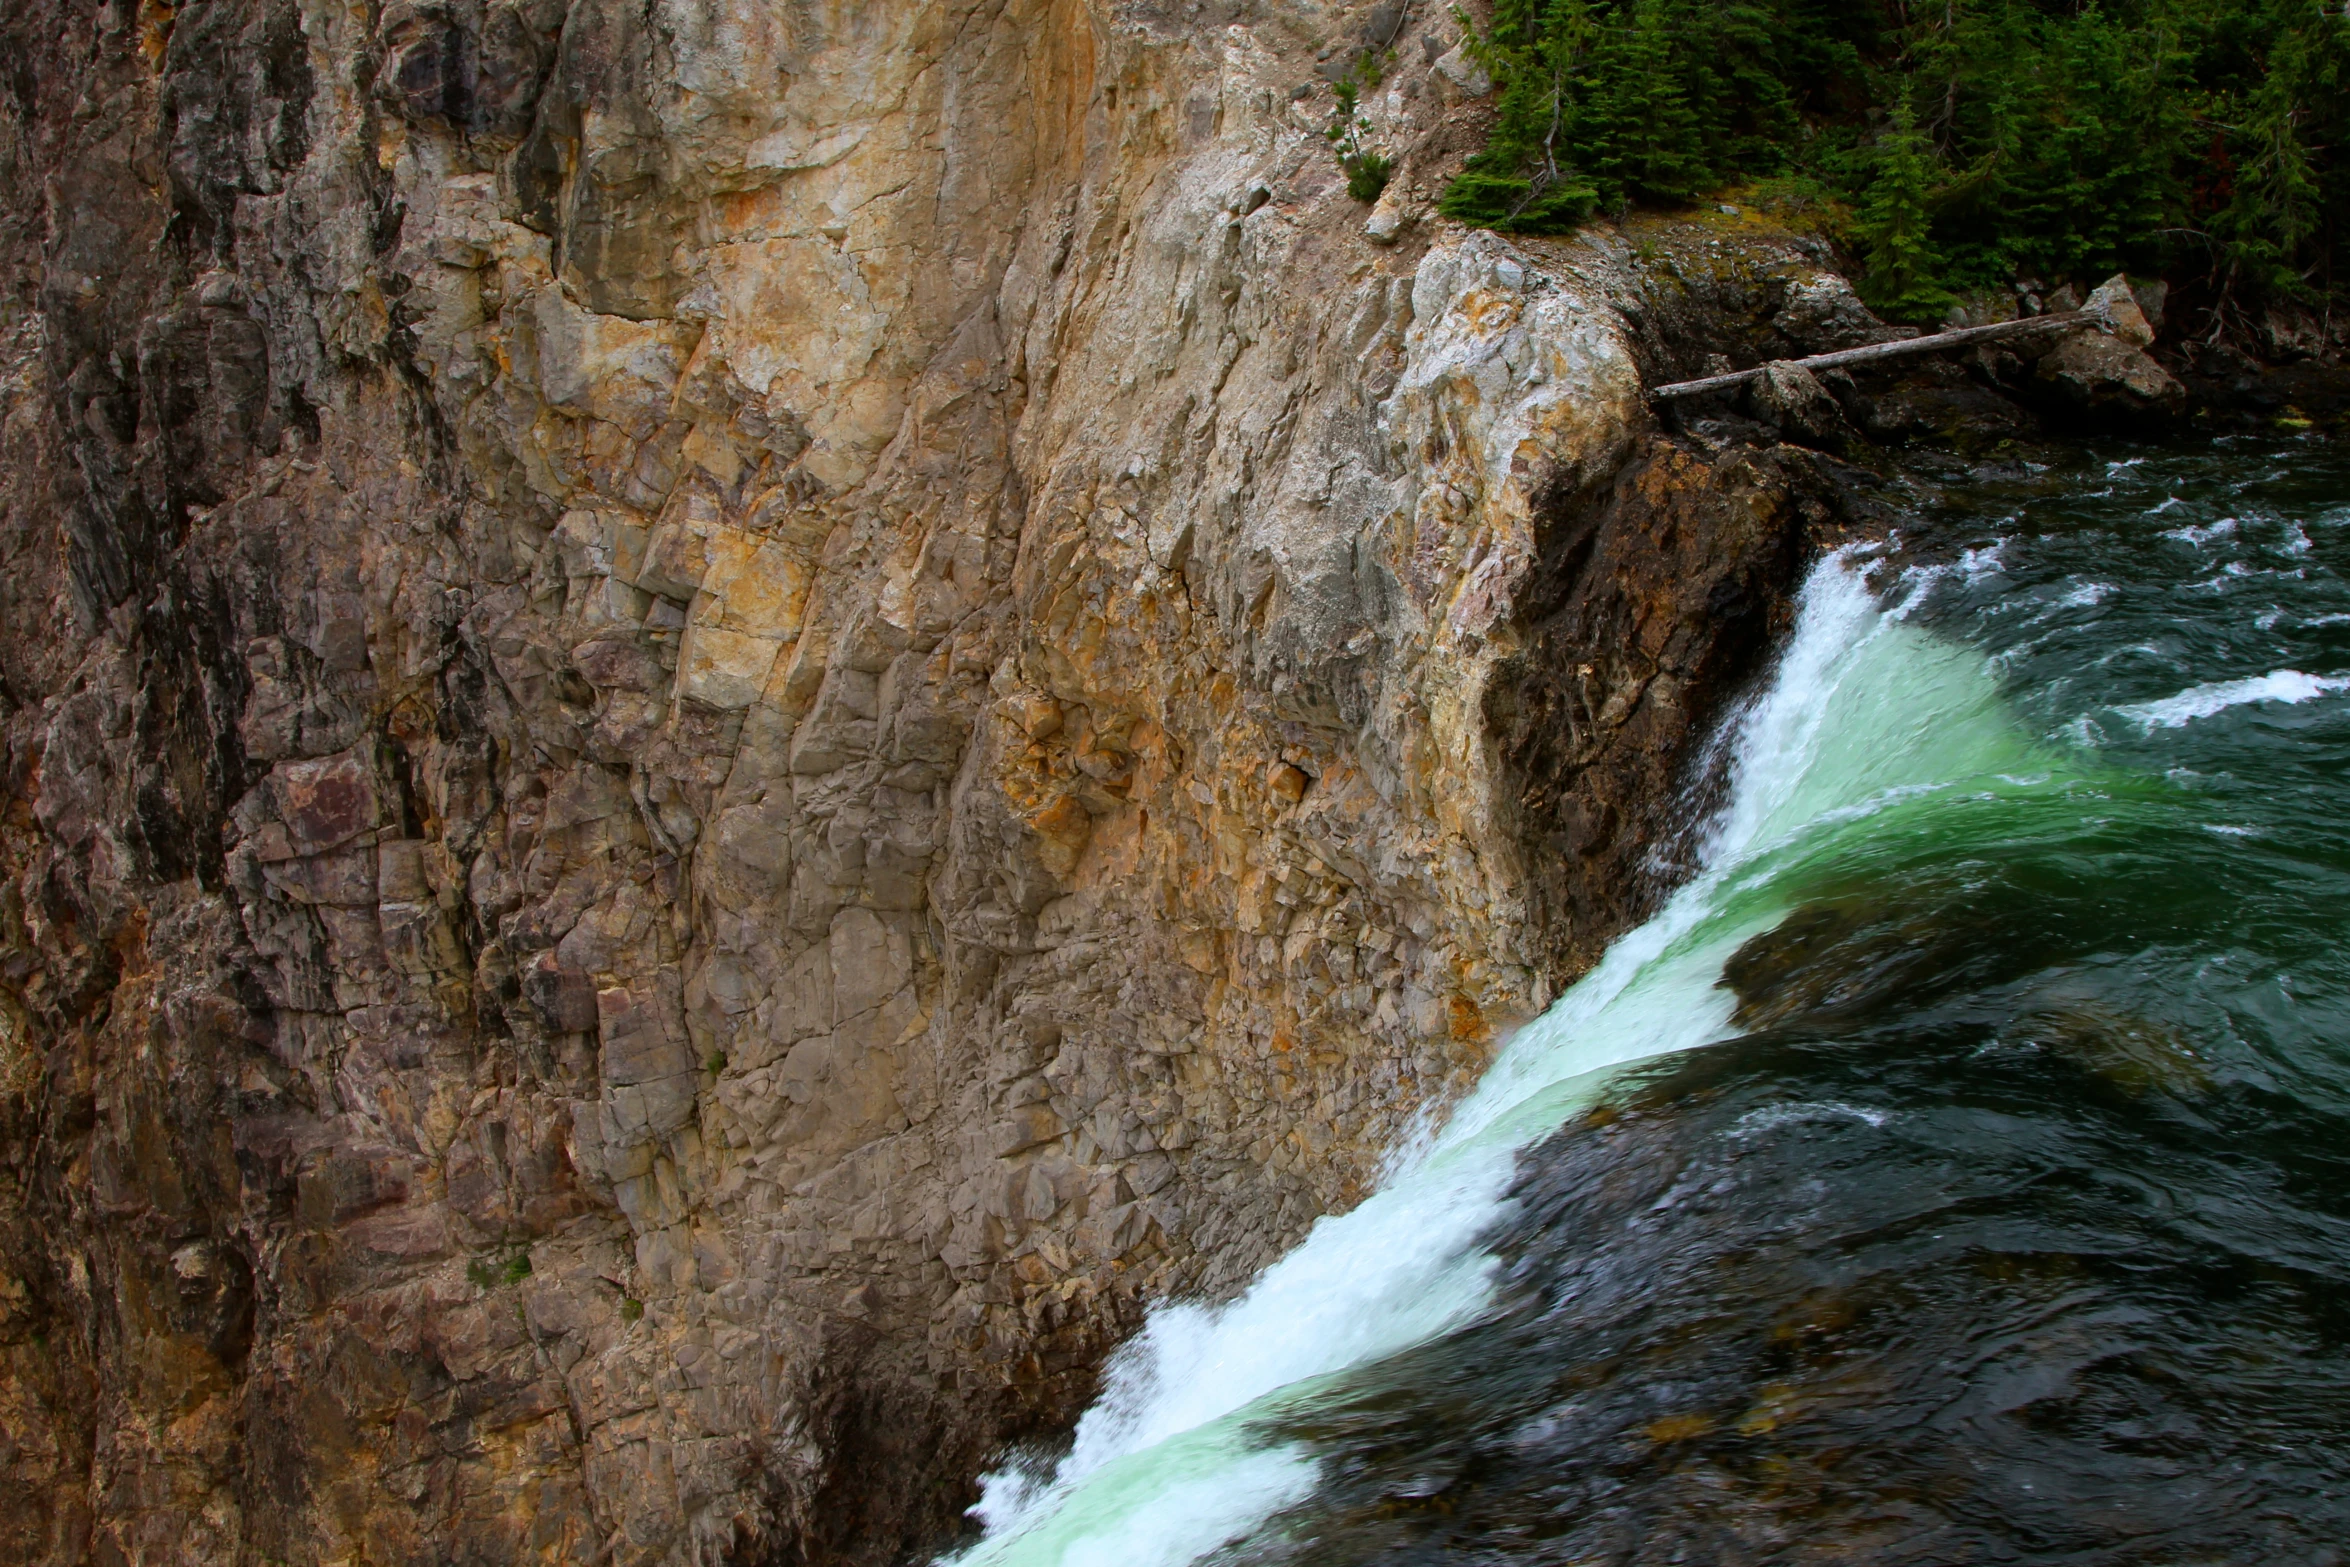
x: 722, y: 720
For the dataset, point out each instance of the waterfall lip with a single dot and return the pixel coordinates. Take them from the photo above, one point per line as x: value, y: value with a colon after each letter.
x: 1878, y: 745
x: 1408, y: 1264
x: 1868, y: 724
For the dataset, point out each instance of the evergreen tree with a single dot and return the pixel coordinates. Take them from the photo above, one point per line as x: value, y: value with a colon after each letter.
x: 1893, y: 224
x: 1367, y: 169
x: 2065, y: 138
x: 1532, y: 51
x: 2286, y: 191
x: 1634, y: 121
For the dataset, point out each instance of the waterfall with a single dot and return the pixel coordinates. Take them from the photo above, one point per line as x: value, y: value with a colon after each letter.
x: 1862, y: 713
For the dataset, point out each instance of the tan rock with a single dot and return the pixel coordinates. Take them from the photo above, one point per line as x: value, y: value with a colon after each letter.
x: 864, y: 665
x: 2116, y: 304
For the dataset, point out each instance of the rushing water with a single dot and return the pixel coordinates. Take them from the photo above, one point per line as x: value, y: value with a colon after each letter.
x: 1956, y: 1169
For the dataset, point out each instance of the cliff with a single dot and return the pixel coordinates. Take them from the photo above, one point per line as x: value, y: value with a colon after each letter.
x: 723, y: 721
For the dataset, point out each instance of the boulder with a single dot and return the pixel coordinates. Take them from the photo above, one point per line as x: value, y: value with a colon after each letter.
x: 2117, y: 303
x: 1460, y: 69
x: 2287, y: 334
x: 2103, y: 372
x: 1392, y: 215
x: 1821, y: 314
x: 1792, y: 399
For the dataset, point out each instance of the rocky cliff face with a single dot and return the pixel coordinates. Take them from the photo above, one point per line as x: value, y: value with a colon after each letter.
x: 722, y: 720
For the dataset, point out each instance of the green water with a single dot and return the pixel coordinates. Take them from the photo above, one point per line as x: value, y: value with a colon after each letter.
x: 2012, y: 1222
x: 1954, y: 1169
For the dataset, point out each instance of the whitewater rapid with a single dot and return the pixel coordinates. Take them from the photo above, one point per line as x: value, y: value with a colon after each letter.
x: 1862, y: 713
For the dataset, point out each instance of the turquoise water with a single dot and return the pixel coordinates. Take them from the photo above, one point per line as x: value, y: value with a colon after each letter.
x: 1955, y: 1169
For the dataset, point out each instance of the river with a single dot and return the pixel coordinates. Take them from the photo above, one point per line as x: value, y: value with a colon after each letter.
x: 1956, y: 1168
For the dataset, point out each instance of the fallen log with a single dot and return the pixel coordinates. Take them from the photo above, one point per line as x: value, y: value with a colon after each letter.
x: 1892, y: 350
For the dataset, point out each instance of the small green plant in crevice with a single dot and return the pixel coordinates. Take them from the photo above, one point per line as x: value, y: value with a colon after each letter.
x: 631, y: 1309
x: 716, y: 1064
x: 1367, y: 169
x: 489, y: 1275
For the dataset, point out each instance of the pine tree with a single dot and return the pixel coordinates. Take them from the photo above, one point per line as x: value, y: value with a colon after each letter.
x: 2280, y: 199
x: 1894, y: 223
x: 1637, y: 120
x: 1521, y: 180
x: 1979, y: 139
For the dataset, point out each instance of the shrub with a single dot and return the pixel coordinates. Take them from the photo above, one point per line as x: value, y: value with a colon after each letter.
x: 1367, y: 169
x: 488, y: 1275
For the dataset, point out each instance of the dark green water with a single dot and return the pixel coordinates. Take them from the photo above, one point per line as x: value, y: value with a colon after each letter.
x: 2016, y: 1225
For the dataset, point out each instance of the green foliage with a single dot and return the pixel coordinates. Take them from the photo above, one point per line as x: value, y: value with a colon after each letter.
x: 1367, y: 174
x: 1894, y: 226
x: 1367, y: 169
x: 1973, y: 139
x: 631, y: 1309
x: 1606, y: 102
x: 1518, y: 182
x: 489, y: 1275
x: 2284, y: 190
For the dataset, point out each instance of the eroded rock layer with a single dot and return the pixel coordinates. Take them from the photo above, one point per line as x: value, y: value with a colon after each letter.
x: 722, y: 721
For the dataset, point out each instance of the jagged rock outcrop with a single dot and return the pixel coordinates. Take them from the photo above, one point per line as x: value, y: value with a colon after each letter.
x: 2108, y: 372
x: 723, y: 720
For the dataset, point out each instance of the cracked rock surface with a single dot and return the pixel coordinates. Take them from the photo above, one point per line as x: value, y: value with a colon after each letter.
x: 723, y: 721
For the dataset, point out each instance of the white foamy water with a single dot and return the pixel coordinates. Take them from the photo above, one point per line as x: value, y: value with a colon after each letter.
x: 2278, y: 685
x: 1864, y: 712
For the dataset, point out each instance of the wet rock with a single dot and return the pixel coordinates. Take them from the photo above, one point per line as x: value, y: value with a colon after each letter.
x: 1651, y: 599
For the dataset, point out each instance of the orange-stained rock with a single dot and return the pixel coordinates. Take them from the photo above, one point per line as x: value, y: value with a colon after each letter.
x: 722, y: 722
